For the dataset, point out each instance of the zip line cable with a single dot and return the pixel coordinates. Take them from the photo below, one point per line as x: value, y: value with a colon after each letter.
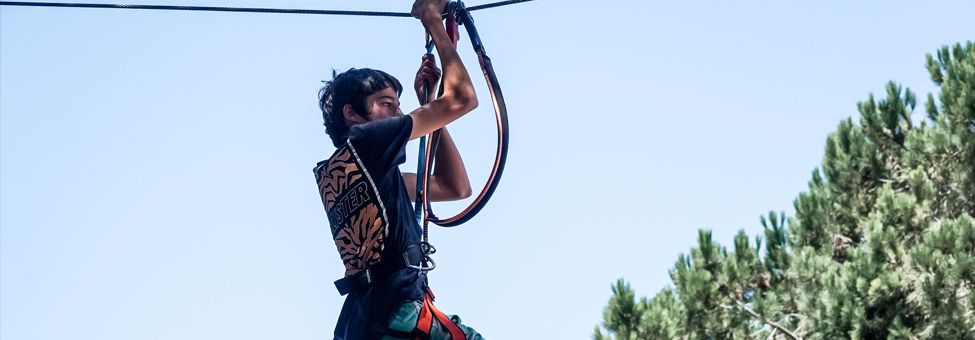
x: 495, y: 4
x: 237, y: 9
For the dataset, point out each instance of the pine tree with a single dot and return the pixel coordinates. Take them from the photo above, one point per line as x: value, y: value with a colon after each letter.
x: 882, y: 244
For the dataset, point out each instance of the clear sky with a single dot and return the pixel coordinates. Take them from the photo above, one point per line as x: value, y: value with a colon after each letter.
x: 156, y: 176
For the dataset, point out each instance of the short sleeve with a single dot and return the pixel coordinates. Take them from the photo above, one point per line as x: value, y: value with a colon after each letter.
x: 381, y: 144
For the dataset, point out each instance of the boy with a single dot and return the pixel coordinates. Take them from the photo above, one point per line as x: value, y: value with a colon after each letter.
x: 367, y: 199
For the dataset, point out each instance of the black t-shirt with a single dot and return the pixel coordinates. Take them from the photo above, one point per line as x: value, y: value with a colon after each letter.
x: 371, y: 218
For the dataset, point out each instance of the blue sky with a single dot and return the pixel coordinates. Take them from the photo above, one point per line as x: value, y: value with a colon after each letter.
x: 155, y: 167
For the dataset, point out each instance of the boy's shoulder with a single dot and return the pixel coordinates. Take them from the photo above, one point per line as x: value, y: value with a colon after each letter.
x: 379, y: 145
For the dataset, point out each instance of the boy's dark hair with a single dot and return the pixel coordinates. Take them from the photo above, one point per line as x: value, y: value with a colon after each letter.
x: 350, y: 87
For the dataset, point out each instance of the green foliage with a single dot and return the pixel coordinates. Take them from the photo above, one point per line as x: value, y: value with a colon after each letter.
x: 882, y: 244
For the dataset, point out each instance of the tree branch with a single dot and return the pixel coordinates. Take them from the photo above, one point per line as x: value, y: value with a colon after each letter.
x: 774, y: 324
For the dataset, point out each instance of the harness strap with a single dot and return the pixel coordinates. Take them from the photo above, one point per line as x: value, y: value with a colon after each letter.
x: 412, y: 257
x: 428, y: 313
x: 354, y: 282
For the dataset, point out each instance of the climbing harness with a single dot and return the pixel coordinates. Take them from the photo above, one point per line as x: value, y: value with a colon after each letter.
x: 428, y: 313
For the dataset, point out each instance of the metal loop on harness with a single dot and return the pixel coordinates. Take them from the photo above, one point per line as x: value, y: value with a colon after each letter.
x: 426, y: 263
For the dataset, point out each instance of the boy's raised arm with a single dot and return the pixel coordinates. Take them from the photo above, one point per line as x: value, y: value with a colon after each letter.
x: 458, y: 92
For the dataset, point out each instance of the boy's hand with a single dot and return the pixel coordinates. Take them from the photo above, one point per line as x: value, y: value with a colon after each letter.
x: 429, y: 75
x: 428, y: 9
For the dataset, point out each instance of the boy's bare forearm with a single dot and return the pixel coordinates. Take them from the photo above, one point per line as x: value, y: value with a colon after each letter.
x: 457, y: 85
x: 458, y: 92
x: 449, y: 171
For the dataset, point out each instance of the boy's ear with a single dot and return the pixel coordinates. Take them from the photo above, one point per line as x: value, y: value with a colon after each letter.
x: 351, y: 118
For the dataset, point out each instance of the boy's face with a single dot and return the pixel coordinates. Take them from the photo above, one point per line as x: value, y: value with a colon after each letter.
x: 379, y: 105
x: 383, y: 104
